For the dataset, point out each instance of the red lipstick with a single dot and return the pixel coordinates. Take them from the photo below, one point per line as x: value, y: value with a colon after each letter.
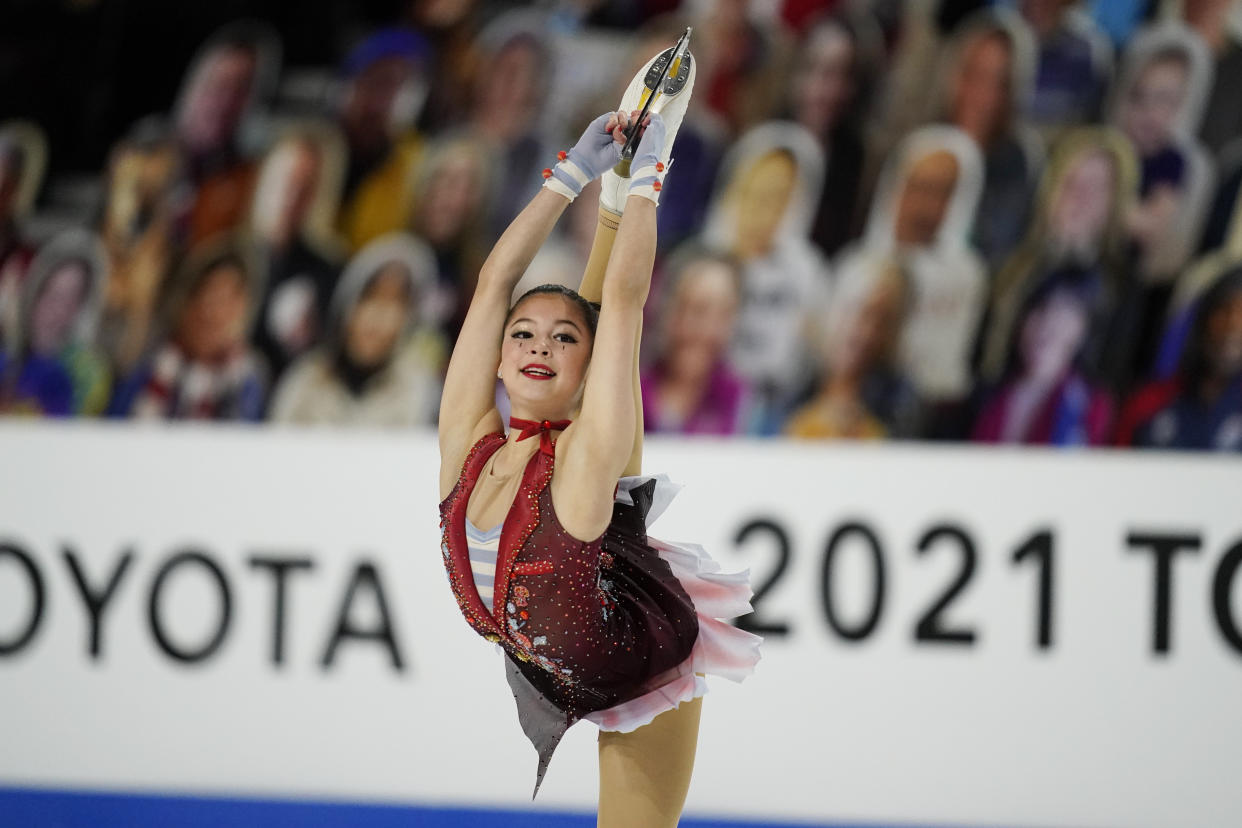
x: 537, y: 371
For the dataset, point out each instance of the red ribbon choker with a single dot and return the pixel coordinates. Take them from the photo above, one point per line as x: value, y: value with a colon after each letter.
x: 544, y: 428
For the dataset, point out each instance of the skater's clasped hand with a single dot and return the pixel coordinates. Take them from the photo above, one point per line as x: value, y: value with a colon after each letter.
x: 647, y: 168
x: 599, y: 148
x: 597, y: 151
x: 651, y: 147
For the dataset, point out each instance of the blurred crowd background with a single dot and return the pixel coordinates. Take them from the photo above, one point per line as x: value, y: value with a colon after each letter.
x: 1010, y: 222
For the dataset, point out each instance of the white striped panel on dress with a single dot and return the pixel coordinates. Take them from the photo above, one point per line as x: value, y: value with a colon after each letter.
x: 484, y: 547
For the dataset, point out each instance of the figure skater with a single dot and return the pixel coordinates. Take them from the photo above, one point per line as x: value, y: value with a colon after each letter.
x: 544, y: 534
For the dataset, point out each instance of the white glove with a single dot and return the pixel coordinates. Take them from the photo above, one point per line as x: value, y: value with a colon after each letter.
x: 595, y: 152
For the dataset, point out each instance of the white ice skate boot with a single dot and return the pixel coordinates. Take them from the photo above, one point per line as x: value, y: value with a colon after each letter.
x: 662, y: 86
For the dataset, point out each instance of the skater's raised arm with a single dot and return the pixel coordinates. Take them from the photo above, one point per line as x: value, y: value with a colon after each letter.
x: 467, y: 405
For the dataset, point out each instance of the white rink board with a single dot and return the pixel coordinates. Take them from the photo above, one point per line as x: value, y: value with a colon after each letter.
x: 1104, y: 727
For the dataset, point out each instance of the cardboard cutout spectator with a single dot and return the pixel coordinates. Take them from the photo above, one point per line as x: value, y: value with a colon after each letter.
x: 922, y: 213
x: 226, y: 86
x: 761, y: 215
x: 137, y: 225
x: 1191, y: 287
x: 744, y: 62
x: 1222, y: 226
x: 1045, y: 397
x: 381, y: 364
x: 295, y: 199
x: 690, y: 388
x: 1200, y: 408
x: 987, y: 76
x: 506, y: 114
x: 862, y: 392
x: 914, y: 45
x: 830, y: 89
x: 55, y: 369
x: 916, y: 35
x: 1222, y: 251
x: 451, y: 27
x: 1075, y: 64
x: 385, y: 87
x: 1222, y: 241
x: 1158, y: 104
x: 1085, y: 197
x: 23, y: 154
x: 1222, y: 117
x: 455, y: 184
x: 204, y: 369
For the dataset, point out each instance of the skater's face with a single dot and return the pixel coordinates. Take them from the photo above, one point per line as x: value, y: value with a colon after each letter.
x: 544, y: 356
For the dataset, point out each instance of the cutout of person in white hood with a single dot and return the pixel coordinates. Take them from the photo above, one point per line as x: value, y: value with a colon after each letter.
x: 379, y: 365
x: 762, y: 212
x: 922, y: 213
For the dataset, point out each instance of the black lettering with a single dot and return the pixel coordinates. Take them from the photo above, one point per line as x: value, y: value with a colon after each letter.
x: 1039, y: 548
x: 365, y: 575
x: 38, y: 595
x: 930, y: 626
x: 1163, y: 548
x: 190, y: 655
x: 864, y: 628
x: 96, y: 600
x: 1222, y: 588
x: 753, y: 621
x: 280, y: 569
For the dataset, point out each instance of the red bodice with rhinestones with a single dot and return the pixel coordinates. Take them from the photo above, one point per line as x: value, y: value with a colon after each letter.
x: 589, y: 624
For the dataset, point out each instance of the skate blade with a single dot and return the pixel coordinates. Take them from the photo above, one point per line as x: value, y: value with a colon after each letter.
x: 658, y: 78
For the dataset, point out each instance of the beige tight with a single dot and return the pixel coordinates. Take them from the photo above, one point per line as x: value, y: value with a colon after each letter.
x: 592, y: 289
x: 644, y: 775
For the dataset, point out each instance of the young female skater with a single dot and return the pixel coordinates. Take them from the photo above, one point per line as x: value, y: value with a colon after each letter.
x: 596, y: 620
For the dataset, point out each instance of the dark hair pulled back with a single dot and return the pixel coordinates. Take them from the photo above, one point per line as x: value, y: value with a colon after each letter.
x: 589, y: 310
